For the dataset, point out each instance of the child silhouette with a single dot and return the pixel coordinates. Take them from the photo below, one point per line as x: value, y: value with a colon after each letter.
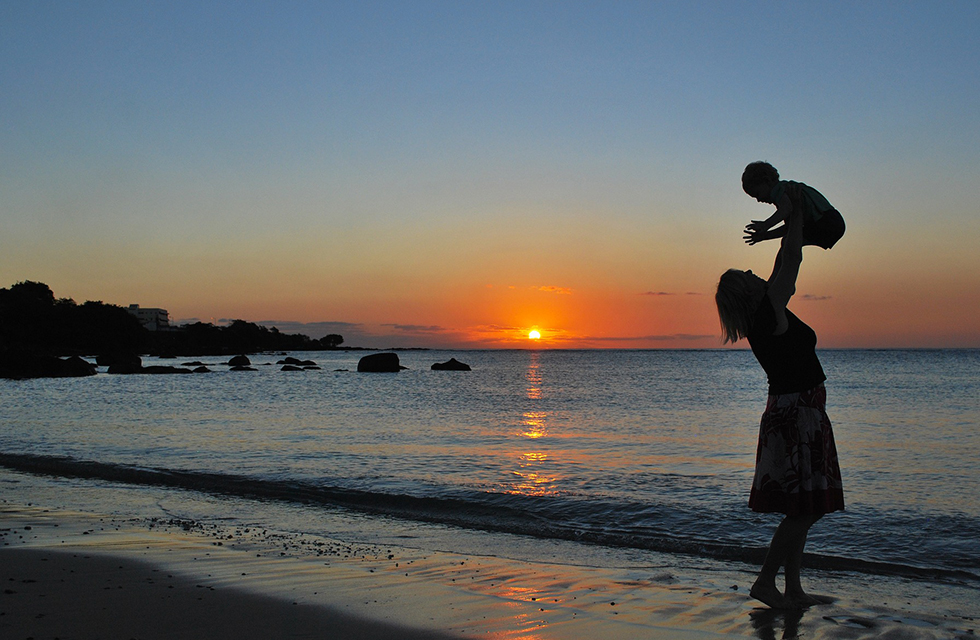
x: 823, y: 225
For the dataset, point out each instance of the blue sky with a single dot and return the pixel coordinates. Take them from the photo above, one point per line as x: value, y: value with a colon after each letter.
x: 383, y: 163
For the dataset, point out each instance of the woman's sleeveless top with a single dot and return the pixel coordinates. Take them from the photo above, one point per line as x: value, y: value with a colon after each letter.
x: 790, y: 359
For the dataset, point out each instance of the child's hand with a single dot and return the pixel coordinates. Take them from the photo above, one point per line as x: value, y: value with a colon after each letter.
x: 758, y: 225
x: 752, y: 236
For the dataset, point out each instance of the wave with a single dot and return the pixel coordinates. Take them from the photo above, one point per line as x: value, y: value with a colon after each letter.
x: 492, y: 512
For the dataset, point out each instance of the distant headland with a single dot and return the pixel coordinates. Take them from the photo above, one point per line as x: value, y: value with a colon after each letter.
x: 35, y: 324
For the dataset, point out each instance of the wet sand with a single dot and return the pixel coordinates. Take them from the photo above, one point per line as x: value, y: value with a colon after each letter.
x: 67, y: 575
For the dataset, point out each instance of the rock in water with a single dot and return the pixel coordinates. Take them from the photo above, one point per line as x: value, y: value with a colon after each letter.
x: 129, y: 363
x: 380, y: 363
x: 19, y: 366
x: 76, y: 367
x: 120, y: 362
x: 451, y: 365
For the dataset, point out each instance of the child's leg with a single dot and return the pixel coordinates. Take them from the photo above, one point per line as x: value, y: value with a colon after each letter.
x: 824, y: 232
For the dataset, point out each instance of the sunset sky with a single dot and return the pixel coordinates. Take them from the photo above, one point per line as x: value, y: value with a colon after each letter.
x: 456, y: 174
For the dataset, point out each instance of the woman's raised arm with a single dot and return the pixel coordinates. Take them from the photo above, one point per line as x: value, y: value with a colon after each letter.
x: 782, y: 285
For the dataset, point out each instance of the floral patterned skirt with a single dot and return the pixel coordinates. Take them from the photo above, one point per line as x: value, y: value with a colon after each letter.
x: 796, y: 467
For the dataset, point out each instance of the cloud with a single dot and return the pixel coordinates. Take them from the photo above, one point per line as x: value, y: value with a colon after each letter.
x: 670, y: 293
x: 416, y: 328
x: 558, y: 290
x: 495, y: 328
x: 683, y: 337
x: 813, y: 297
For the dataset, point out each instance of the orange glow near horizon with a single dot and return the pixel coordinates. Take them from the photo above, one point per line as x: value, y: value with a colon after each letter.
x: 848, y: 304
x: 534, y: 334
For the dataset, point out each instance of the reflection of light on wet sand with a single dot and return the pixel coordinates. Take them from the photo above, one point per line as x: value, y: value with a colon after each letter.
x: 467, y: 595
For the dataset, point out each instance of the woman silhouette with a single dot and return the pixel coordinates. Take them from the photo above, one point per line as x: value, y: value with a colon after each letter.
x: 797, y: 472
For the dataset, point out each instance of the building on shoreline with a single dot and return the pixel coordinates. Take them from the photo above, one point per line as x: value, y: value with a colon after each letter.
x: 152, y: 319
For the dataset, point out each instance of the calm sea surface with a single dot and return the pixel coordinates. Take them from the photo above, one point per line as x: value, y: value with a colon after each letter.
x: 615, y: 449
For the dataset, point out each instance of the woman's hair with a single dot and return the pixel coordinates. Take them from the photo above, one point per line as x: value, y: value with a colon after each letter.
x: 758, y: 173
x: 735, y: 305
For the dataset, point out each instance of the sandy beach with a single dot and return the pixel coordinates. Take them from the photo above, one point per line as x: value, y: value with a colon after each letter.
x: 71, y: 575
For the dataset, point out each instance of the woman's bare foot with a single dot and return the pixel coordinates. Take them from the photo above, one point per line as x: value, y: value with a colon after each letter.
x: 767, y: 593
x: 803, y: 600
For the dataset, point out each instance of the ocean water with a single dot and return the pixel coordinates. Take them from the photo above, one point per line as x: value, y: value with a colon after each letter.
x: 598, y: 449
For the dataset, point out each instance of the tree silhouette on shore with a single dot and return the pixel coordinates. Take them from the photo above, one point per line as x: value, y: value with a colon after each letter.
x: 33, y: 321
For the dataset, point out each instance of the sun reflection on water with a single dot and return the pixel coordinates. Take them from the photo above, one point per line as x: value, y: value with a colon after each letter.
x: 533, y: 377
x: 534, y: 475
x: 534, y: 424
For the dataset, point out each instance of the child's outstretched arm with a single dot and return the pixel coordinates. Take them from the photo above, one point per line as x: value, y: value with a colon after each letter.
x: 752, y: 236
x: 759, y: 230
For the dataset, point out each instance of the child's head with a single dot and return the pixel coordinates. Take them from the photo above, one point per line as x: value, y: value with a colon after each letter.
x: 758, y: 174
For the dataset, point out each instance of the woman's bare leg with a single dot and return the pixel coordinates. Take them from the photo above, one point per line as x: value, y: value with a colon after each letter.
x: 789, y: 540
x: 794, y: 589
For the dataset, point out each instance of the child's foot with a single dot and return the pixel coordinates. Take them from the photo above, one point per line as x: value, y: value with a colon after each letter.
x: 768, y: 594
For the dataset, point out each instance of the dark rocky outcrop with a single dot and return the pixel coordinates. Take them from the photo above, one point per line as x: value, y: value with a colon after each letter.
x: 380, y: 363
x: 451, y: 365
x: 239, y: 361
x: 76, y: 367
x: 296, y: 362
x: 21, y: 366
x: 291, y: 367
x: 125, y: 359
x: 123, y: 363
x: 242, y: 368
x: 202, y: 369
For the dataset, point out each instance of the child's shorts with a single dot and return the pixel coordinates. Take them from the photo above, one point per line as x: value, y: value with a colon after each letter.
x: 826, y: 231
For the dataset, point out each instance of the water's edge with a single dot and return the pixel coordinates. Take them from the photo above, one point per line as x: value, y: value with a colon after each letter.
x: 499, y: 513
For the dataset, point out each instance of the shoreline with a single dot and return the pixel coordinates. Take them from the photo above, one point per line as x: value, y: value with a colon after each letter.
x: 242, y: 584
x: 81, y: 594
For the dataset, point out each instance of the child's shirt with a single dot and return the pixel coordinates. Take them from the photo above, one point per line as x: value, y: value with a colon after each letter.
x: 813, y: 203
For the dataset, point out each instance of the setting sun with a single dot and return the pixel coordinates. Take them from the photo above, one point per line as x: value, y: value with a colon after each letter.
x: 534, y: 335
